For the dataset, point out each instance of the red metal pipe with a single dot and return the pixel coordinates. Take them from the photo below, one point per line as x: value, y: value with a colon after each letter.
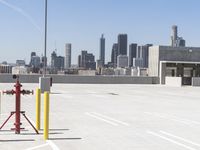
x: 17, y: 113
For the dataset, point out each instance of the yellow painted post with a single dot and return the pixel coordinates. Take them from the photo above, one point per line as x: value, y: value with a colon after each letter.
x: 38, y: 108
x: 46, y: 115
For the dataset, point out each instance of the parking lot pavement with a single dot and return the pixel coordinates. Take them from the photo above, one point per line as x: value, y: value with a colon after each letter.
x: 98, y: 116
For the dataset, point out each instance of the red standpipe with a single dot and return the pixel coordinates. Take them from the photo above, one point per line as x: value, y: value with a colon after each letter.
x: 18, y: 111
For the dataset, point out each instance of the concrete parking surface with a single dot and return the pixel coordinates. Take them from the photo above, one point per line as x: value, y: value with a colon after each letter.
x: 108, y: 117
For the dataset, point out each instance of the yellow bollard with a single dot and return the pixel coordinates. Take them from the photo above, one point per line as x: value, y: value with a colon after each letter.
x: 38, y: 108
x: 46, y: 115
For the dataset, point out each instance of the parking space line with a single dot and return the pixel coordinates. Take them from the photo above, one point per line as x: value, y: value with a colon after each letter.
x: 169, y: 118
x: 180, y: 138
x: 102, y: 119
x: 170, y: 140
x: 36, y: 147
x: 53, y: 145
x: 112, y: 119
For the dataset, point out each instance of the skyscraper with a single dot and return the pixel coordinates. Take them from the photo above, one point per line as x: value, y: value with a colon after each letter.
x: 67, y: 56
x: 143, y: 52
x: 87, y: 60
x: 176, y: 41
x: 102, y: 50
x: 57, y: 62
x: 114, y: 54
x: 132, y: 53
x: 122, y: 44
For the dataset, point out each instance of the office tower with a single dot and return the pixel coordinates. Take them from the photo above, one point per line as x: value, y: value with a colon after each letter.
x: 57, y: 62
x: 20, y: 62
x: 143, y: 52
x: 114, y: 54
x: 102, y: 50
x: 67, y: 56
x: 138, y: 62
x: 87, y: 61
x: 33, y: 54
x: 132, y: 53
x: 176, y: 41
x: 122, y: 61
x: 35, y: 62
x: 79, y: 60
x: 122, y: 44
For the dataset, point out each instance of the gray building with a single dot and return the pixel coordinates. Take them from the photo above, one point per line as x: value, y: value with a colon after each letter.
x: 122, y: 44
x: 138, y: 62
x: 132, y: 53
x: 57, y: 62
x: 87, y: 61
x: 176, y: 41
x: 35, y: 62
x: 102, y: 50
x: 122, y: 61
x: 143, y: 52
x: 167, y: 61
x: 114, y: 54
x: 20, y: 62
x: 68, y: 55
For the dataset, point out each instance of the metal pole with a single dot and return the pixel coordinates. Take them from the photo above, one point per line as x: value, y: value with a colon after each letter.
x: 38, y: 108
x: 46, y: 115
x: 45, y: 41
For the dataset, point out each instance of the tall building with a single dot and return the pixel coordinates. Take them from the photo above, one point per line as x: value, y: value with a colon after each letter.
x: 57, y: 62
x: 102, y: 50
x: 122, y: 44
x: 132, y: 53
x: 87, y: 61
x: 35, y: 62
x: 176, y: 41
x: 67, y: 55
x: 122, y: 61
x: 114, y: 54
x: 143, y: 52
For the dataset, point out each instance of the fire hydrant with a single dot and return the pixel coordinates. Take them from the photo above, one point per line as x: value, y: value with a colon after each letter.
x: 18, y: 111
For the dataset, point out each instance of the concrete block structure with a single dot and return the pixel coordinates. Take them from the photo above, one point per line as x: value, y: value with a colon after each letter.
x: 174, y: 62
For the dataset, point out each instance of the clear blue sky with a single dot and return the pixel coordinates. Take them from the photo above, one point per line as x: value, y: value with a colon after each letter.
x: 81, y: 22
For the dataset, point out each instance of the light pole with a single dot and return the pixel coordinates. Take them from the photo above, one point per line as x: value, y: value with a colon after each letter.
x: 45, y: 82
x: 45, y: 41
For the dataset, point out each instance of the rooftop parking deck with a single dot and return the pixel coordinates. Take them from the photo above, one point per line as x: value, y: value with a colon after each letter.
x: 108, y: 117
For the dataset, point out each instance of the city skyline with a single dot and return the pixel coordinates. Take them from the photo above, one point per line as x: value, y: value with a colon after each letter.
x: 146, y: 22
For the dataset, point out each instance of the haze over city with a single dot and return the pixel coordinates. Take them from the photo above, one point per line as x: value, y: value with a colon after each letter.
x: 82, y: 23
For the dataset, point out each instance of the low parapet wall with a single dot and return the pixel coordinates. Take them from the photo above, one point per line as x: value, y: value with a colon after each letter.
x: 70, y: 79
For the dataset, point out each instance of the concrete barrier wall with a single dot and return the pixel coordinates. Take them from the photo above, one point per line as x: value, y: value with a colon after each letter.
x: 173, y: 81
x: 7, y: 78
x: 196, y: 81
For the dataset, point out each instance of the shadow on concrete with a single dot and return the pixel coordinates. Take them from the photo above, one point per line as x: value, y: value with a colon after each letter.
x: 31, y: 133
x: 40, y: 133
x: 56, y: 129
x: 21, y: 140
x: 113, y: 94
x: 65, y: 138
x: 55, y: 93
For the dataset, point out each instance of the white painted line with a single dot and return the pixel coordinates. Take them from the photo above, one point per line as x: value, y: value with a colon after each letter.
x: 170, y: 140
x: 102, y: 119
x: 112, y: 119
x: 165, y: 117
x: 180, y: 138
x: 36, y: 147
x: 53, y: 145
